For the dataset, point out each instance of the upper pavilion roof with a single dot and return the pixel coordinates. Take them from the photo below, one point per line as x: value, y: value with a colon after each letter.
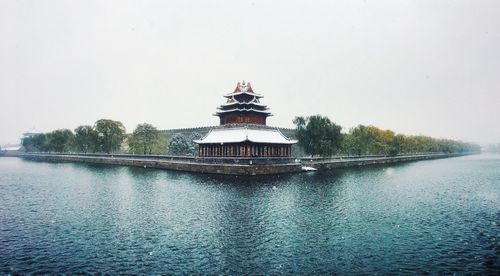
x: 243, y: 99
x: 243, y: 88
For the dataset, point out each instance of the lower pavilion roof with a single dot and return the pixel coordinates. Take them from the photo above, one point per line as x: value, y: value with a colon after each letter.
x: 244, y: 134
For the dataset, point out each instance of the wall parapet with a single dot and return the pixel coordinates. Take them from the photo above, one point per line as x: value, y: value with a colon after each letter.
x: 231, y: 166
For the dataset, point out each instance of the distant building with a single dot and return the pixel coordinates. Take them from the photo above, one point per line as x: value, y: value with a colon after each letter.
x: 243, y: 131
x: 10, y: 147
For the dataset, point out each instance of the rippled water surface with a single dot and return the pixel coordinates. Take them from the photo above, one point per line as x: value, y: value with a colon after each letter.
x: 439, y: 216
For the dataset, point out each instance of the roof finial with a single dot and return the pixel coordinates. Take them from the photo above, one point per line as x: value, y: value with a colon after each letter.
x: 249, y: 87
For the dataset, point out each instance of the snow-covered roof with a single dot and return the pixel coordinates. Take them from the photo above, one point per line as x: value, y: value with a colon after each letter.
x: 238, y: 135
x: 243, y: 109
x: 241, y: 93
x: 11, y: 148
x: 249, y: 103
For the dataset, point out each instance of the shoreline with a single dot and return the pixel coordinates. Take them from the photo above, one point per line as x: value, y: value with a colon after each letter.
x: 237, y: 166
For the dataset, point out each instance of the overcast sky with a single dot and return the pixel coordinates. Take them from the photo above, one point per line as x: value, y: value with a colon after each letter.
x: 416, y: 67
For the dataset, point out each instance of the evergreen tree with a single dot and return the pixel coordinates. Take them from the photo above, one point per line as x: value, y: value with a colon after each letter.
x: 318, y: 135
x: 145, y: 139
x: 110, y: 135
x: 85, y: 138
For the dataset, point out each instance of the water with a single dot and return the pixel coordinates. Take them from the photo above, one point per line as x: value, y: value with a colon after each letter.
x: 439, y: 216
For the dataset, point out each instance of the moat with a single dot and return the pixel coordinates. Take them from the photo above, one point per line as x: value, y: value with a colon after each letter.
x: 437, y: 216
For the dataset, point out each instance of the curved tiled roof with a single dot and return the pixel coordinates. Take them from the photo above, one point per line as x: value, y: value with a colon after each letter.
x: 242, y: 134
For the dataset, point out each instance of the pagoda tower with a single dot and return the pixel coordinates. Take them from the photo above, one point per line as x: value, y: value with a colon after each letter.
x: 243, y: 107
x: 243, y: 131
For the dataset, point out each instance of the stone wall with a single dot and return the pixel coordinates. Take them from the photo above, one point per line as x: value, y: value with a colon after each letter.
x: 230, y: 169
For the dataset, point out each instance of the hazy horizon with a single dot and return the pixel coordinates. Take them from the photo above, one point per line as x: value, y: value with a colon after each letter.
x: 415, y: 67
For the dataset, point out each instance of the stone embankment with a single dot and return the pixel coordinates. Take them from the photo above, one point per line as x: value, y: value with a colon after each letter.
x: 231, y: 166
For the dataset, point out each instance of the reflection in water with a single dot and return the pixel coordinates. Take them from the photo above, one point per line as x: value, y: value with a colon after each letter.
x: 438, y: 216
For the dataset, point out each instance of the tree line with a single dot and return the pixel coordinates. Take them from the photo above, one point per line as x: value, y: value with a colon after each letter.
x: 109, y: 136
x: 318, y: 135
x: 493, y: 148
x: 104, y: 136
